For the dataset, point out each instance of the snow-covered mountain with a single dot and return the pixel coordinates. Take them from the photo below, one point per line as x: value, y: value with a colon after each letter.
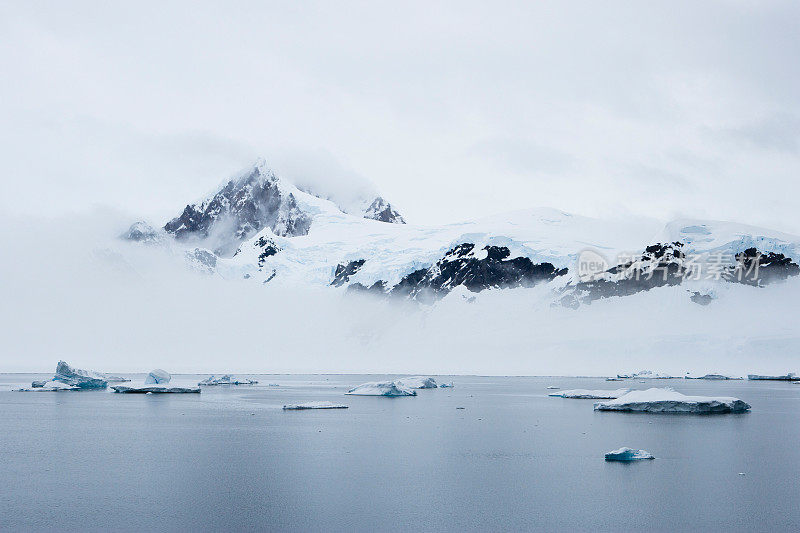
x: 261, y: 228
x: 247, y: 203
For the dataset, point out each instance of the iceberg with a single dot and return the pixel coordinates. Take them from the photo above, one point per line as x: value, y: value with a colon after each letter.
x: 49, y: 386
x: 83, y: 379
x: 114, y: 379
x: 418, y: 382
x: 446, y: 385
x: 791, y: 376
x: 614, y: 379
x: 157, y: 376
x: 584, y: 394
x: 156, y: 382
x: 314, y: 405
x: 227, y: 379
x: 382, y: 388
x: 669, y: 401
x: 628, y: 454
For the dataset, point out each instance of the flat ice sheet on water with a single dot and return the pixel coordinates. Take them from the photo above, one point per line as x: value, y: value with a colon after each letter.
x: 586, y: 394
x: 154, y: 389
x: 628, y: 454
x: 314, y: 405
x: 49, y: 386
x: 669, y: 401
x: 418, y: 382
x: 382, y: 388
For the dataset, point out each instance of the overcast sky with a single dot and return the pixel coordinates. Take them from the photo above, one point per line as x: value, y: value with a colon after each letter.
x: 452, y: 109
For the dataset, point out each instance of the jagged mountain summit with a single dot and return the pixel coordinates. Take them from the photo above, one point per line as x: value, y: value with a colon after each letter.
x: 246, y: 204
x: 259, y: 227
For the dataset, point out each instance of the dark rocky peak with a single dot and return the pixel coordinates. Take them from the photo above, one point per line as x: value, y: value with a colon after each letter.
x: 383, y: 211
x: 241, y: 208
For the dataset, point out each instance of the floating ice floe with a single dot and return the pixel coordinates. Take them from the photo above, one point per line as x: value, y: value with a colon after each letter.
x: 791, y: 376
x: 227, y: 379
x: 553, y: 387
x: 644, y: 374
x: 157, y: 376
x: 614, y: 379
x: 418, y: 382
x: 382, y: 388
x: 314, y: 405
x: 669, y: 401
x: 584, y: 394
x: 156, y: 382
x: 446, y: 385
x: 83, y: 379
x: 114, y: 379
x: 712, y: 377
x: 49, y: 386
x: 628, y: 454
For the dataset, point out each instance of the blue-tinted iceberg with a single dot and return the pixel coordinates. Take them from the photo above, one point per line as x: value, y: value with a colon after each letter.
x: 157, y: 376
x: 446, y: 385
x: 156, y: 382
x: 585, y: 394
x: 628, y: 454
x: 382, y: 388
x: 314, y: 405
x: 82, y: 379
x: 669, y: 401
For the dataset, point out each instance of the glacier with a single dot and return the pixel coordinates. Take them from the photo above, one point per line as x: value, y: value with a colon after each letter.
x: 382, y: 388
x: 667, y: 400
x: 628, y: 454
x: 586, y: 394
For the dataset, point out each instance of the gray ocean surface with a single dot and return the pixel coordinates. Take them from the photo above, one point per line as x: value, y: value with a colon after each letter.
x: 513, y: 459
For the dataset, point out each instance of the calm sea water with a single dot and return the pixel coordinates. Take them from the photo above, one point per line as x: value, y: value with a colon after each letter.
x: 512, y: 459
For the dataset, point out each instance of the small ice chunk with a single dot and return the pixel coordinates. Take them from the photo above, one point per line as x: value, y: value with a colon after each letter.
x: 613, y: 379
x: 418, y: 382
x: 38, y: 384
x: 83, y: 379
x: 553, y: 387
x: 154, y: 389
x: 585, y: 394
x: 628, y: 454
x: 669, y: 401
x: 157, y: 377
x: 382, y: 388
x: 314, y: 405
x: 446, y: 385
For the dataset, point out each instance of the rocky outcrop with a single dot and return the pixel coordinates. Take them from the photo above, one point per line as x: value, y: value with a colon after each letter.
x: 239, y: 210
x: 383, y: 211
x: 344, y: 271
x: 758, y: 268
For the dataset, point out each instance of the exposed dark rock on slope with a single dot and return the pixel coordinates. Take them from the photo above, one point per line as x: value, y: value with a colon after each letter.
x: 666, y: 264
x: 383, y: 211
x: 759, y: 269
x: 242, y: 208
x: 488, y: 267
x: 343, y: 272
